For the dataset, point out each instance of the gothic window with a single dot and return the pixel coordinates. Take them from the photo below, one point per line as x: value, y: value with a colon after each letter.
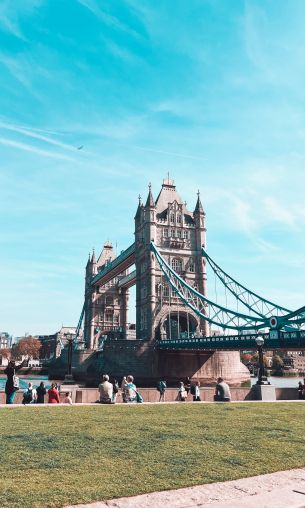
x: 165, y: 233
x: 191, y: 266
x: 165, y: 290
x: 177, y: 265
x: 179, y: 233
x: 179, y: 219
x: 108, y: 317
x: 172, y: 233
x: 109, y: 300
x: 185, y: 234
x: 172, y: 218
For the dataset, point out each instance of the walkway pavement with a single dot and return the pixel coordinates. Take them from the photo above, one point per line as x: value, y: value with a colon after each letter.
x: 285, y: 489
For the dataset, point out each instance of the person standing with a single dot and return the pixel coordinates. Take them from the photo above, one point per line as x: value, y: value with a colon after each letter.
x: 300, y: 390
x: 41, y: 392
x: 162, y: 388
x: 12, y: 384
x: 53, y: 395
x: 195, y: 391
x: 106, y: 390
x: 187, y: 385
x: 222, y: 391
x: 123, y: 384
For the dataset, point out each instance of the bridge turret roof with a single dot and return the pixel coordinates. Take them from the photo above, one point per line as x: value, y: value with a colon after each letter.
x: 107, y: 254
x: 150, y: 200
x: 167, y: 194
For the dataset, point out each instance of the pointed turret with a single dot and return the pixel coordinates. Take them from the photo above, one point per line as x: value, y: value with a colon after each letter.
x: 138, y: 212
x: 93, y: 259
x: 150, y: 200
x: 198, y: 207
x: 89, y: 260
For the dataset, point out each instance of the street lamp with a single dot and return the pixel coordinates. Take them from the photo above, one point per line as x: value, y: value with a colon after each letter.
x: 68, y: 377
x: 261, y: 370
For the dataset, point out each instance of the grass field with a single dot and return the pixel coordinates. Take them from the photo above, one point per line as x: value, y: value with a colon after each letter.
x: 55, y: 456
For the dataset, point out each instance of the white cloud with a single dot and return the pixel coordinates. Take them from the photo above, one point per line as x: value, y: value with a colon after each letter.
x: 33, y: 149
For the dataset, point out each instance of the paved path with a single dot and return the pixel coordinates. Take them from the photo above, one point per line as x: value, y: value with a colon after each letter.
x: 285, y: 489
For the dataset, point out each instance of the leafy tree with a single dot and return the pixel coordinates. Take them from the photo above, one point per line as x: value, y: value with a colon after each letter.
x: 5, y: 352
x: 28, y: 346
x: 254, y: 360
x: 277, y: 362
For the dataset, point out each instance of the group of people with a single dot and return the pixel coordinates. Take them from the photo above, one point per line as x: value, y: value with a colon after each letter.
x: 31, y: 395
x: 37, y: 395
x: 109, y: 391
x: 222, y: 390
x: 301, y: 389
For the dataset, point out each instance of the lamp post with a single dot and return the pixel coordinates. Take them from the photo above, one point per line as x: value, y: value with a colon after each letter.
x: 261, y: 370
x: 68, y: 377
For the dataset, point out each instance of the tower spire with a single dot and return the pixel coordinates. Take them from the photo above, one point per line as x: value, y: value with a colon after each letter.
x: 198, y: 207
x: 150, y: 200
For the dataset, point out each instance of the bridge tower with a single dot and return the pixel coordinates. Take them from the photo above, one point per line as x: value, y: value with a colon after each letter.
x: 179, y: 235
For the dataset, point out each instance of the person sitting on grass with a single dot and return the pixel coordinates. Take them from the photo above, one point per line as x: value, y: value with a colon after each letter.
x: 106, y: 390
x: 53, y: 395
x: 182, y: 393
x: 130, y: 390
x: 68, y: 398
x: 222, y: 391
x: 29, y: 395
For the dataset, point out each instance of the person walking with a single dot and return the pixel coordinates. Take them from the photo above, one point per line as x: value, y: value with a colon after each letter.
x: 161, y: 387
x: 53, y: 395
x: 106, y: 390
x: 41, y: 392
x: 12, y: 383
x: 222, y: 391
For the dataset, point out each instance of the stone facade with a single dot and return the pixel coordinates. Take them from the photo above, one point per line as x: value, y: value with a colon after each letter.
x: 179, y: 235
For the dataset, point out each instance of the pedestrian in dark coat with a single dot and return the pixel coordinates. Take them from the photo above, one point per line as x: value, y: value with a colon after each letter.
x: 10, y: 386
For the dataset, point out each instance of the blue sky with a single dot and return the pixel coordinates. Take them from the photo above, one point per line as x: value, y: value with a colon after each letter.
x: 211, y: 91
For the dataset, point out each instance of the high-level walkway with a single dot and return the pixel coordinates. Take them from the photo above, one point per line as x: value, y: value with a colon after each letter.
x: 285, y: 489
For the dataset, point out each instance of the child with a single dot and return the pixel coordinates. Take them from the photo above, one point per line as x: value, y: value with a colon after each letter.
x: 67, y: 399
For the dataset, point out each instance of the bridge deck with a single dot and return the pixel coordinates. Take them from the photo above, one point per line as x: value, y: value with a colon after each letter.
x: 286, y: 340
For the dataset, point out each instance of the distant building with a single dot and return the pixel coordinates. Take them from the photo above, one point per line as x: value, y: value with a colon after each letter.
x: 51, y: 345
x: 5, y: 340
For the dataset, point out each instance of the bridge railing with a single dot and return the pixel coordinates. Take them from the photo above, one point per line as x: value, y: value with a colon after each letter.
x: 114, y: 264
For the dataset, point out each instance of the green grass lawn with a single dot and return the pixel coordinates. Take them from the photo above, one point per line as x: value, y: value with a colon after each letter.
x: 55, y: 456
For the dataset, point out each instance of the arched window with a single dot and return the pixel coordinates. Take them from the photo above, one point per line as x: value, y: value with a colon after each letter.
x: 177, y: 265
x: 172, y: 218
x: 191, y: 265
x: 178, y: 218
x: 179, y: 233
x: 172, y: 233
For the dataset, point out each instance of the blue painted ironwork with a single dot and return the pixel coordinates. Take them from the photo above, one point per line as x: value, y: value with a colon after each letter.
x: 284, y: 340
x: 114, y: 264
x: 205, y: 308
x: 251, y: 300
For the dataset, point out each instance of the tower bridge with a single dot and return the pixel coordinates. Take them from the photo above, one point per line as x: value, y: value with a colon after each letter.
x: 175, y: 319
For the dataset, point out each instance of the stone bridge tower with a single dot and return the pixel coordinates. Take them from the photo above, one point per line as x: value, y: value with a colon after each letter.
x: 179, y: 235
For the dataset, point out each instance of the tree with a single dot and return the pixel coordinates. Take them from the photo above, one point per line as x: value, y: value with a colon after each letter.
x: 28, y: 346
x: 254, y: 360
x: 5, y: 352
x: 277, y: 362
x: 246, y: 358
